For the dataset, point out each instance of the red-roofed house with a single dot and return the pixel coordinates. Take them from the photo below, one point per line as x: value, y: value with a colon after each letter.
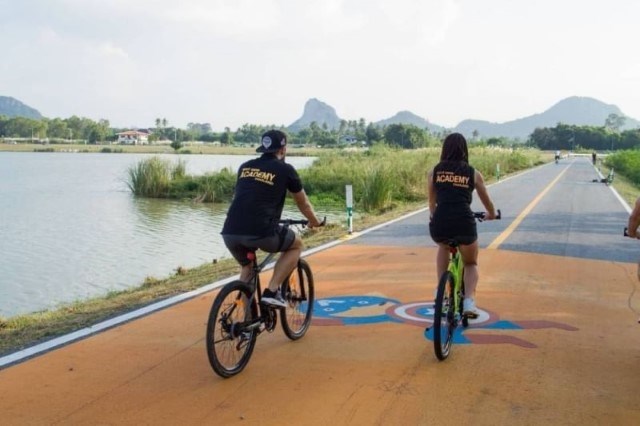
x: 133, y: 137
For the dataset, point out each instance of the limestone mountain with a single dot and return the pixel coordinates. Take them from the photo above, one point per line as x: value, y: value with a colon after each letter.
x: 11, y: 107
x: 407, y: 117
x: 316, y: 111
x: 575, y: 110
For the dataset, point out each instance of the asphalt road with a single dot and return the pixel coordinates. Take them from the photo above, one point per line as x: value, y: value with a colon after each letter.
x: 557, y: 342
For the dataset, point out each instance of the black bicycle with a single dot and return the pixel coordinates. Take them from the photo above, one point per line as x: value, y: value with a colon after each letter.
x: 237, y: 317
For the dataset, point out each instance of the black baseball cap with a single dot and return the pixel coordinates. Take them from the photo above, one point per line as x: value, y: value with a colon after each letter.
x: 272, y: 141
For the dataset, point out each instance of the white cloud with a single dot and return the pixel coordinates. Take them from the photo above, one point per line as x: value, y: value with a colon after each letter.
x: 229, y: 62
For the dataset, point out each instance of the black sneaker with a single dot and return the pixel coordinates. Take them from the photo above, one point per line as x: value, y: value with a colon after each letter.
x: 273, y: 298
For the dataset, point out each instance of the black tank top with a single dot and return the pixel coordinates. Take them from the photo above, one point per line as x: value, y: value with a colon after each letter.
x: 454, y: 182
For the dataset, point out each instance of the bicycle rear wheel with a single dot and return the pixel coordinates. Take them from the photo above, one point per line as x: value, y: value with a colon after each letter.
x: 231, y: 332
x: 299, y: 295
x: 444, y: 317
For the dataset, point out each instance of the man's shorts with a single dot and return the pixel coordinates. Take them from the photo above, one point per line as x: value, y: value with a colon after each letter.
x: 240, y: 245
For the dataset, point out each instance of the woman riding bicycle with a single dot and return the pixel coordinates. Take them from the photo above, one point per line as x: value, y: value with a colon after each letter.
x: 252, y: 219
x: 450, y: 186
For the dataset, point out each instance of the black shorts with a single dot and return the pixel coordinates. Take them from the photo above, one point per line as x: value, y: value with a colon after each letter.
x: 462, y: 236
x: 240, y: 245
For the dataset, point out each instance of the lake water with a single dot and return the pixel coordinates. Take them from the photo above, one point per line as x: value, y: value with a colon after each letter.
x: 70, y: 228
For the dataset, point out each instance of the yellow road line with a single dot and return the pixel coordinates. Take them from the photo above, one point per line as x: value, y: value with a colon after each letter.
x: 512, y: 227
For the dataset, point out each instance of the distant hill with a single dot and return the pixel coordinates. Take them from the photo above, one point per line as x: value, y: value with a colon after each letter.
x: 11, y: 107
x: 579, y: 111
x: 318, y: 111
x: 406, y: 117
x: 575, y: 110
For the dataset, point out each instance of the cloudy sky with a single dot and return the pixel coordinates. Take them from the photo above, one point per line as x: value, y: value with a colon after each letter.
x: 230, y: 62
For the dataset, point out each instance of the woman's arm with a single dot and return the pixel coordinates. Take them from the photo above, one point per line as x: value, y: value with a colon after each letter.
x: 484, y: 196
x: 431, y: 194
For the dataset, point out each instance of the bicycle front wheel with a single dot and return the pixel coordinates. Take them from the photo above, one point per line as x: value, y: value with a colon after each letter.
x: 298, y: 293
x: 444, y: 317
x: 231, y: 332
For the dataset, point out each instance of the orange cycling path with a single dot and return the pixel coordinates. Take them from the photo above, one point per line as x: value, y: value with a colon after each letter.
x: 568, y: 352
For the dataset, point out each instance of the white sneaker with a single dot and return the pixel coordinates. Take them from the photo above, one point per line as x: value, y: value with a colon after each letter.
x: 469, y: 308
x: 273, y: 298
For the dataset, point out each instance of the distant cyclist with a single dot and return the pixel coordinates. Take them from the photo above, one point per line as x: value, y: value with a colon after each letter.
x: 252, y: 219
x: 557, y: 156
x: 450, y: 186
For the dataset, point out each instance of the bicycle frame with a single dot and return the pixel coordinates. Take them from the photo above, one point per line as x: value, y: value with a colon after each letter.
x: 456, y: 267
x: 449, y: 299
x: 265, y: 316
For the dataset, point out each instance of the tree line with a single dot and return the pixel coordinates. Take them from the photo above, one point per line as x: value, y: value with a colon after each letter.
x: 349, y: 132
x: 571, y: 138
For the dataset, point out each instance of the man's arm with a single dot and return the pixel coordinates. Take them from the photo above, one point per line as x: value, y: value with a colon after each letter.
x: 305, y: 207
x: 634, y: 220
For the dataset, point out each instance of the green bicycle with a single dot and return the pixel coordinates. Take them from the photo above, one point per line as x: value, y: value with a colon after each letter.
x: 448, y: 309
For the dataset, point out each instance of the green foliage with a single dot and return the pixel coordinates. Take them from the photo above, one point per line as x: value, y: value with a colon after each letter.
x: 150, y: 177
x: 381, y: 177
x: 377, y: 189
x: 406, y: 136
x: 486, y: 159
x: 213, y: 187
x: 626, y: 163
x: 157, y: 178
x: 569, y: 137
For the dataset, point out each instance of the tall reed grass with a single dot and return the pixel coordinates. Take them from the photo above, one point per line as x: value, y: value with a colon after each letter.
x: 381, y: 177
x: 159, y: 178
x: 151, y: 177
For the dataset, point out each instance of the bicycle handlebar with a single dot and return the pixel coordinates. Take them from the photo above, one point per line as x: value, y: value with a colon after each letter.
x: 303, y: 222
x: 481, y: 215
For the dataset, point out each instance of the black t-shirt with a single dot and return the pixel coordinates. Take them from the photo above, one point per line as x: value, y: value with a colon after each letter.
x: 259, y: 196
x: 454, y: 183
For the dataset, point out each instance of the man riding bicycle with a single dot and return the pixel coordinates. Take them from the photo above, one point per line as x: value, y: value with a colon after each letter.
x: 252, y: 220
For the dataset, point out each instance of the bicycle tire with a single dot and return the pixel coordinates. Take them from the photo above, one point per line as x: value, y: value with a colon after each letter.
x: 229, y: 343
x: 443, y: 317
x: 299, y: 295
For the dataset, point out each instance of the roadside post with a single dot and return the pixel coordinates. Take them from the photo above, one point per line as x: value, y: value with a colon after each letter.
x: 349, y: 197
x: 498, y: 171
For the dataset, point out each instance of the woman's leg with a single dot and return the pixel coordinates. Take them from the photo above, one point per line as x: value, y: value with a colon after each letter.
x: 469, y: 255
x: 442, y: 259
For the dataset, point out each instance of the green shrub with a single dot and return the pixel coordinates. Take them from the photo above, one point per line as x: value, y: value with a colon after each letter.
x: 626, y: 163
x: 150, y: 177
